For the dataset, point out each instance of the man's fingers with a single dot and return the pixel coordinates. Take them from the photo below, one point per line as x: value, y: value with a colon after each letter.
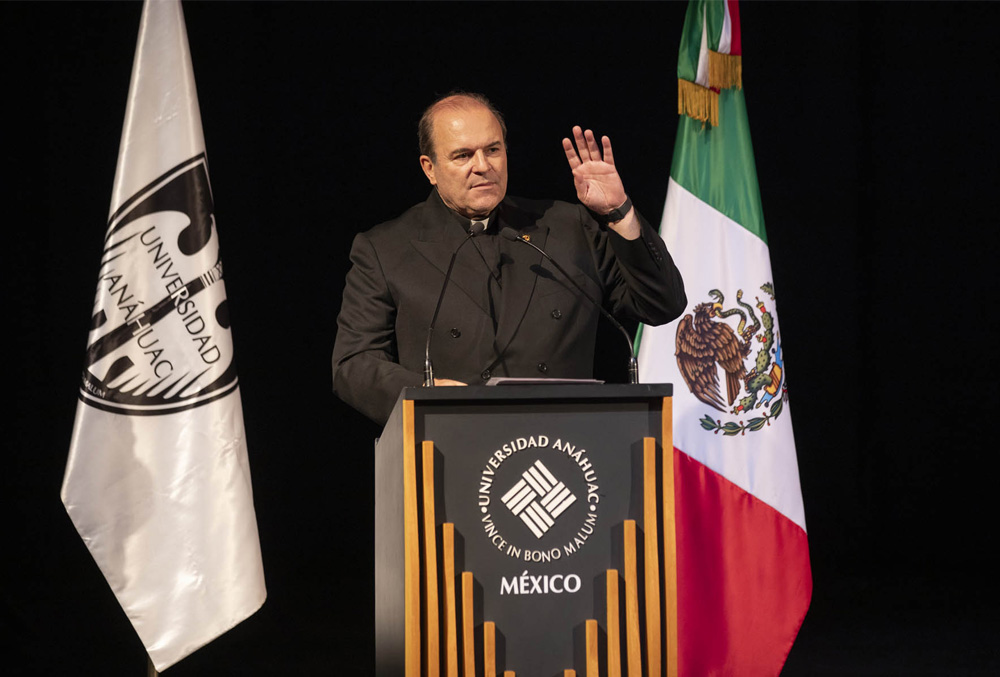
x: 609, y: 157
x: 447, y: 382
x: 595, y: 152
x: 581, y: 144
x: 574, y: 159
x: 586, y: 148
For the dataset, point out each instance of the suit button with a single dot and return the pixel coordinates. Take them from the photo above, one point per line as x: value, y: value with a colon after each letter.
x: 556, y: 314
x: 485, y: 375
x: 455, y: 333
x: 542, y: 367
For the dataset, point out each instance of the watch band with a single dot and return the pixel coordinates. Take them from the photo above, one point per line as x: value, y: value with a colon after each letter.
x: 615, y: 214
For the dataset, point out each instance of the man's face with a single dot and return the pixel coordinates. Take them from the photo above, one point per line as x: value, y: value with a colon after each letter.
x: 470, y: 168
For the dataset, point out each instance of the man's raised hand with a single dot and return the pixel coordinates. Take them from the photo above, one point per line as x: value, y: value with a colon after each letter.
x: 598, y: 185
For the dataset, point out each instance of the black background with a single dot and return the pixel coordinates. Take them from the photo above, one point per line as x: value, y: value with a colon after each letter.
x: 874, y: 131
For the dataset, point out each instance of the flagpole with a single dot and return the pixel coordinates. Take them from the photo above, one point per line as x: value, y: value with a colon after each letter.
x: 150, y: 670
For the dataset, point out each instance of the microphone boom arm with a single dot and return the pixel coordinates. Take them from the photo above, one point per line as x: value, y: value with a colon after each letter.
x: 476, y: 229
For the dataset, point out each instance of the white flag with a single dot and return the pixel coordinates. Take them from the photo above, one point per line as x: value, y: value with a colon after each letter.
x: 157, y: 482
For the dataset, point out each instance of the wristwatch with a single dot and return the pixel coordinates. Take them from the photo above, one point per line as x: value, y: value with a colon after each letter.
x: 615, y: 214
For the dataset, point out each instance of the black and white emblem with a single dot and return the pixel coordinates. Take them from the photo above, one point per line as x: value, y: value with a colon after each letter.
x: 160, y: 340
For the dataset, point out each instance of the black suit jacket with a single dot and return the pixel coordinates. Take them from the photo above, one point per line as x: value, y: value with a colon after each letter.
x: 543, y: 327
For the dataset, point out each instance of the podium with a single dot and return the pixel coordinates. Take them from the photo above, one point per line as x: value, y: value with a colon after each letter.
x: 526, y: 530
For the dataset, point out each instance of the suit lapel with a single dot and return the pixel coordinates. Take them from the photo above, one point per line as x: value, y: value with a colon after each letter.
x: 518, y: 277
x: 439, y: 234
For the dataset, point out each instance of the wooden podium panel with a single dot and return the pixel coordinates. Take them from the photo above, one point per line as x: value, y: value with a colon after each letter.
x: 522, y: 498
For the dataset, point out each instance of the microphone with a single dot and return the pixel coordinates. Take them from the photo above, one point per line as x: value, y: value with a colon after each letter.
x: 633, y: 363
x: 476, y: 228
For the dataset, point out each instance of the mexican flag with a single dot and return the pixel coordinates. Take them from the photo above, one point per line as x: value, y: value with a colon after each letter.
x: 743, y: 573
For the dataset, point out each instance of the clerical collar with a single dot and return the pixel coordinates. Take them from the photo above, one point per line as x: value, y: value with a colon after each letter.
x: 465, y: 221
x: 488, y: 220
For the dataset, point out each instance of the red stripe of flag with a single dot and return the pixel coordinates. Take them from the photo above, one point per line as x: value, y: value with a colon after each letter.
x: 734, y: 20
x: 743, y: 576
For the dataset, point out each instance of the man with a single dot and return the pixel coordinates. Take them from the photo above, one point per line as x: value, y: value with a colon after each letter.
x: 506, y: 311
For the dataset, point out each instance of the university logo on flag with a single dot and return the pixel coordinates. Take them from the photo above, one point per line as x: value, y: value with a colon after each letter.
x: 159, y: 334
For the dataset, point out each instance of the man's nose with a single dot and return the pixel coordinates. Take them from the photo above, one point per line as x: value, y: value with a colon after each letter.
x: 479, y: 163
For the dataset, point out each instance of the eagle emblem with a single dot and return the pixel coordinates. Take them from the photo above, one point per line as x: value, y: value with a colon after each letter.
x: 706, y: 344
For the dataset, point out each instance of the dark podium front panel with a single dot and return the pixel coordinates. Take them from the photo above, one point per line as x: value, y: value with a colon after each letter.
x: 538, y: 482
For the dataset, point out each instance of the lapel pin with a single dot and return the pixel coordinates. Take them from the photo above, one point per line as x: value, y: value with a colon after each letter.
x: 526, y: 237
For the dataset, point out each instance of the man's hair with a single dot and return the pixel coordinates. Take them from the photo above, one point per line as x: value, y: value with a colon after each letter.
x: 453, y: 99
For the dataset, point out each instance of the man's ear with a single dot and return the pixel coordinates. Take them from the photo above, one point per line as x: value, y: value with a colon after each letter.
x: 427, y: 165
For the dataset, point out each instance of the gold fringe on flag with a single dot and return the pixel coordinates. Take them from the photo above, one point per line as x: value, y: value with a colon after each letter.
x: 697, y: 102
x: 725, y: 70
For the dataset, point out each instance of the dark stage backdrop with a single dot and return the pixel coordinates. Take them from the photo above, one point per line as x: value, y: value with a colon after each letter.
x: 875, y: 139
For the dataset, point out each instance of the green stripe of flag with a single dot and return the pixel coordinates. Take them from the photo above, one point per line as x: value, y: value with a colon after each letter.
x: 716, y: 163
x: 687, y: 59
x: 715, y: 13
x: 712, y: 11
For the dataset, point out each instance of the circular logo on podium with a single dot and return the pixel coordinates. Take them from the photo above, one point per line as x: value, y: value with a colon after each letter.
x: 539, y: 498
